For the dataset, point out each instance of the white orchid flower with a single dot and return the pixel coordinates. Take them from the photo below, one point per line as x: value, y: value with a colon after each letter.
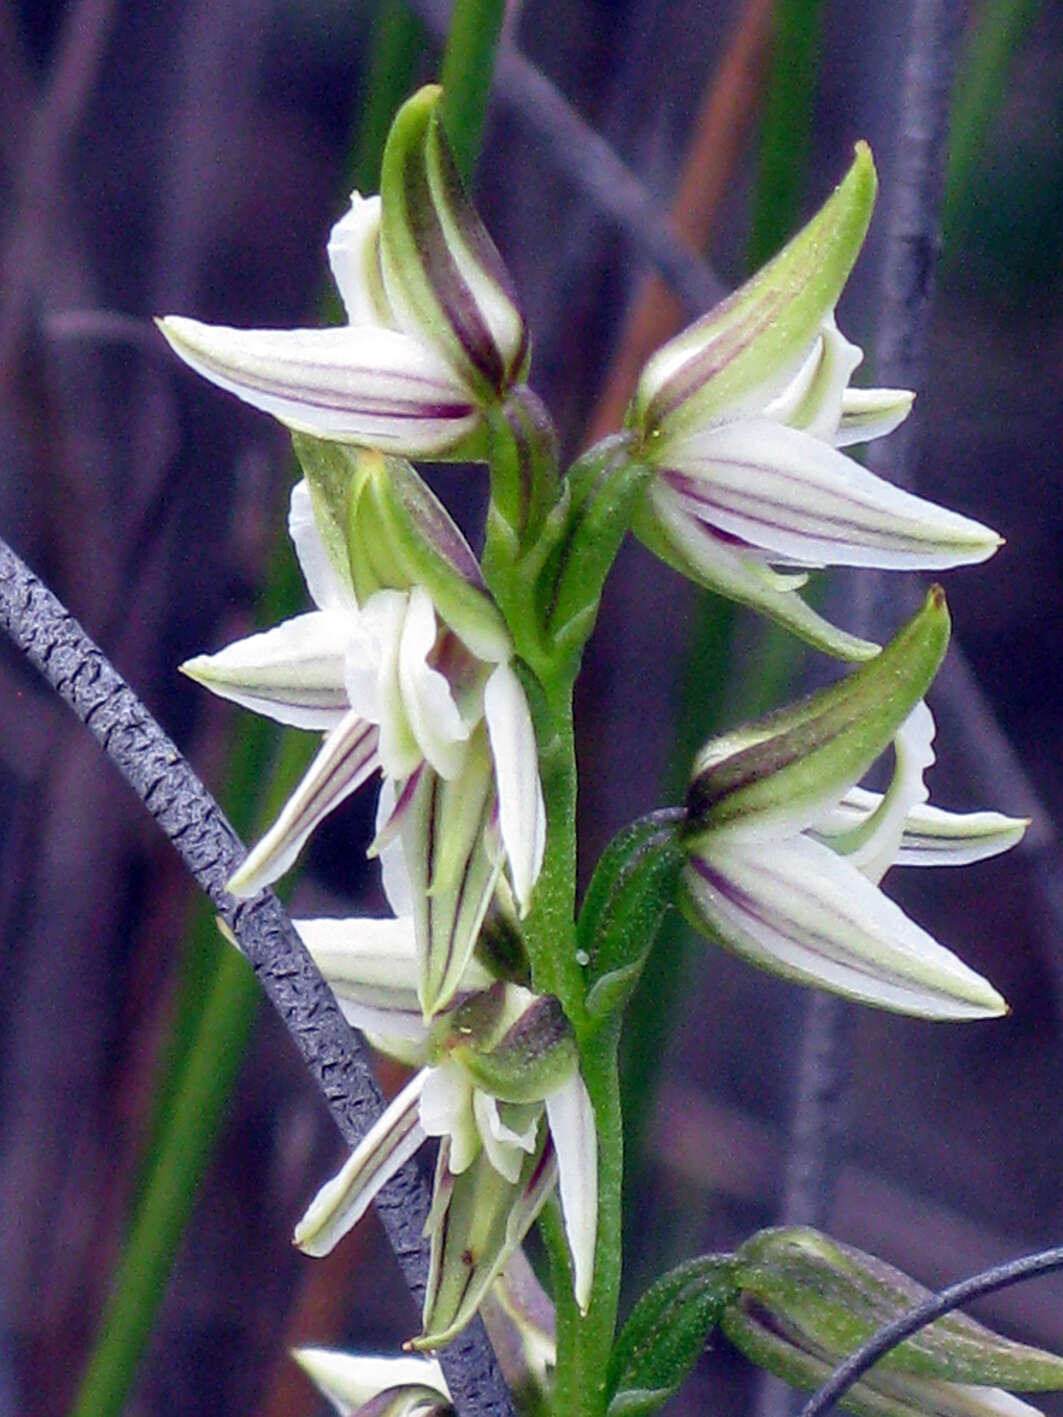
x: 397, y: 1387
x: 520, y: 1323
x: 498, y: 1083
x: 784, y: 862
x: 396, y: 690
x: 742, y: 417
x: 434, y: 333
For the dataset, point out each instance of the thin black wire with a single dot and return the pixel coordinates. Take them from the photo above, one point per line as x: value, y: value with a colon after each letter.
x: 147, y: 758
x: 989, y: 1281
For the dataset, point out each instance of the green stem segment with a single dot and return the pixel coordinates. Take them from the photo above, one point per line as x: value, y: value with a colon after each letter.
x: 515, y: 561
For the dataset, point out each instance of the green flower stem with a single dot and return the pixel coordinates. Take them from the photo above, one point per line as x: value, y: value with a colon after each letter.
x: 584, y: 1342
x: 468, y: 66
x: 549, y: 927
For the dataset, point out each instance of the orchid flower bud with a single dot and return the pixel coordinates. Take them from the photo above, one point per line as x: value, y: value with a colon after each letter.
x: 805, y: 1302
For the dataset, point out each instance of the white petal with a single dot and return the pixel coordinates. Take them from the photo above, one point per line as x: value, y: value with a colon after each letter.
x: 572, y: 1127
x: 354, y: 256
x: 505, y: 1147
x: 521, y: 810
x: 294, y: 673
x: 372, y: 679
x: 365, y: 384
x: 446, y: 1111
x: 813, y: 402
x: 349, y: 1380
x: 914, y: 753
x: 969, y: 1400
x: 384, y: 1149
x: 428, y: 704
x: 387, y: 847
x: 871, y: 413
x: 800, y: 910
x: 327, y: 589
x: 347, y: 758
x: 797, y: 497
x: 932, y: 836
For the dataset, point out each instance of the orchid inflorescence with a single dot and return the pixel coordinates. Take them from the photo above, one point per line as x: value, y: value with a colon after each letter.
x: 450, y: 677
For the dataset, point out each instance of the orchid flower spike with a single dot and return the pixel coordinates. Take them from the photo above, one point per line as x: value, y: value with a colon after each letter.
x: 405, y: 665
x: 498, y: 1083
x: 434, y: 333
x: 784, y: 861
x: 742, y: 417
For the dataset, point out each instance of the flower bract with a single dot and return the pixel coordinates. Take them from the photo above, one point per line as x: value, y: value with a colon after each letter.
x: 805, y: 1302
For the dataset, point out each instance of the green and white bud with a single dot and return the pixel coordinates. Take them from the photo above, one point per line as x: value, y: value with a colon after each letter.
x: 397, y: 534
x: 806, y: 1302
x: 443, y: 275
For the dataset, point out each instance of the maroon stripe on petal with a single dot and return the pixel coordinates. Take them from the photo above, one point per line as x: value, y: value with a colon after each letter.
x: 459, y: 307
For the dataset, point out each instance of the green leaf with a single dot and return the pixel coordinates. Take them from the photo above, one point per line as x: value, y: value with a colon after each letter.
x: 634, y: 885
x: 601, y: 493
x: 666, y: 1332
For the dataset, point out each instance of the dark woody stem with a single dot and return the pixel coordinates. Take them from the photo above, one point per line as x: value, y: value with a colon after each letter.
x: 80, y: 673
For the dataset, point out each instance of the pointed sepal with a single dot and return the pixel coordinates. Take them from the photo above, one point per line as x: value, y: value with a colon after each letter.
x: 377, y: 387
x: 443, y: 274
x: 385, y: 1148
x: 781, y: 771
x: 351, y: 1380
x: 739, y: 355
x: 930, y: 836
